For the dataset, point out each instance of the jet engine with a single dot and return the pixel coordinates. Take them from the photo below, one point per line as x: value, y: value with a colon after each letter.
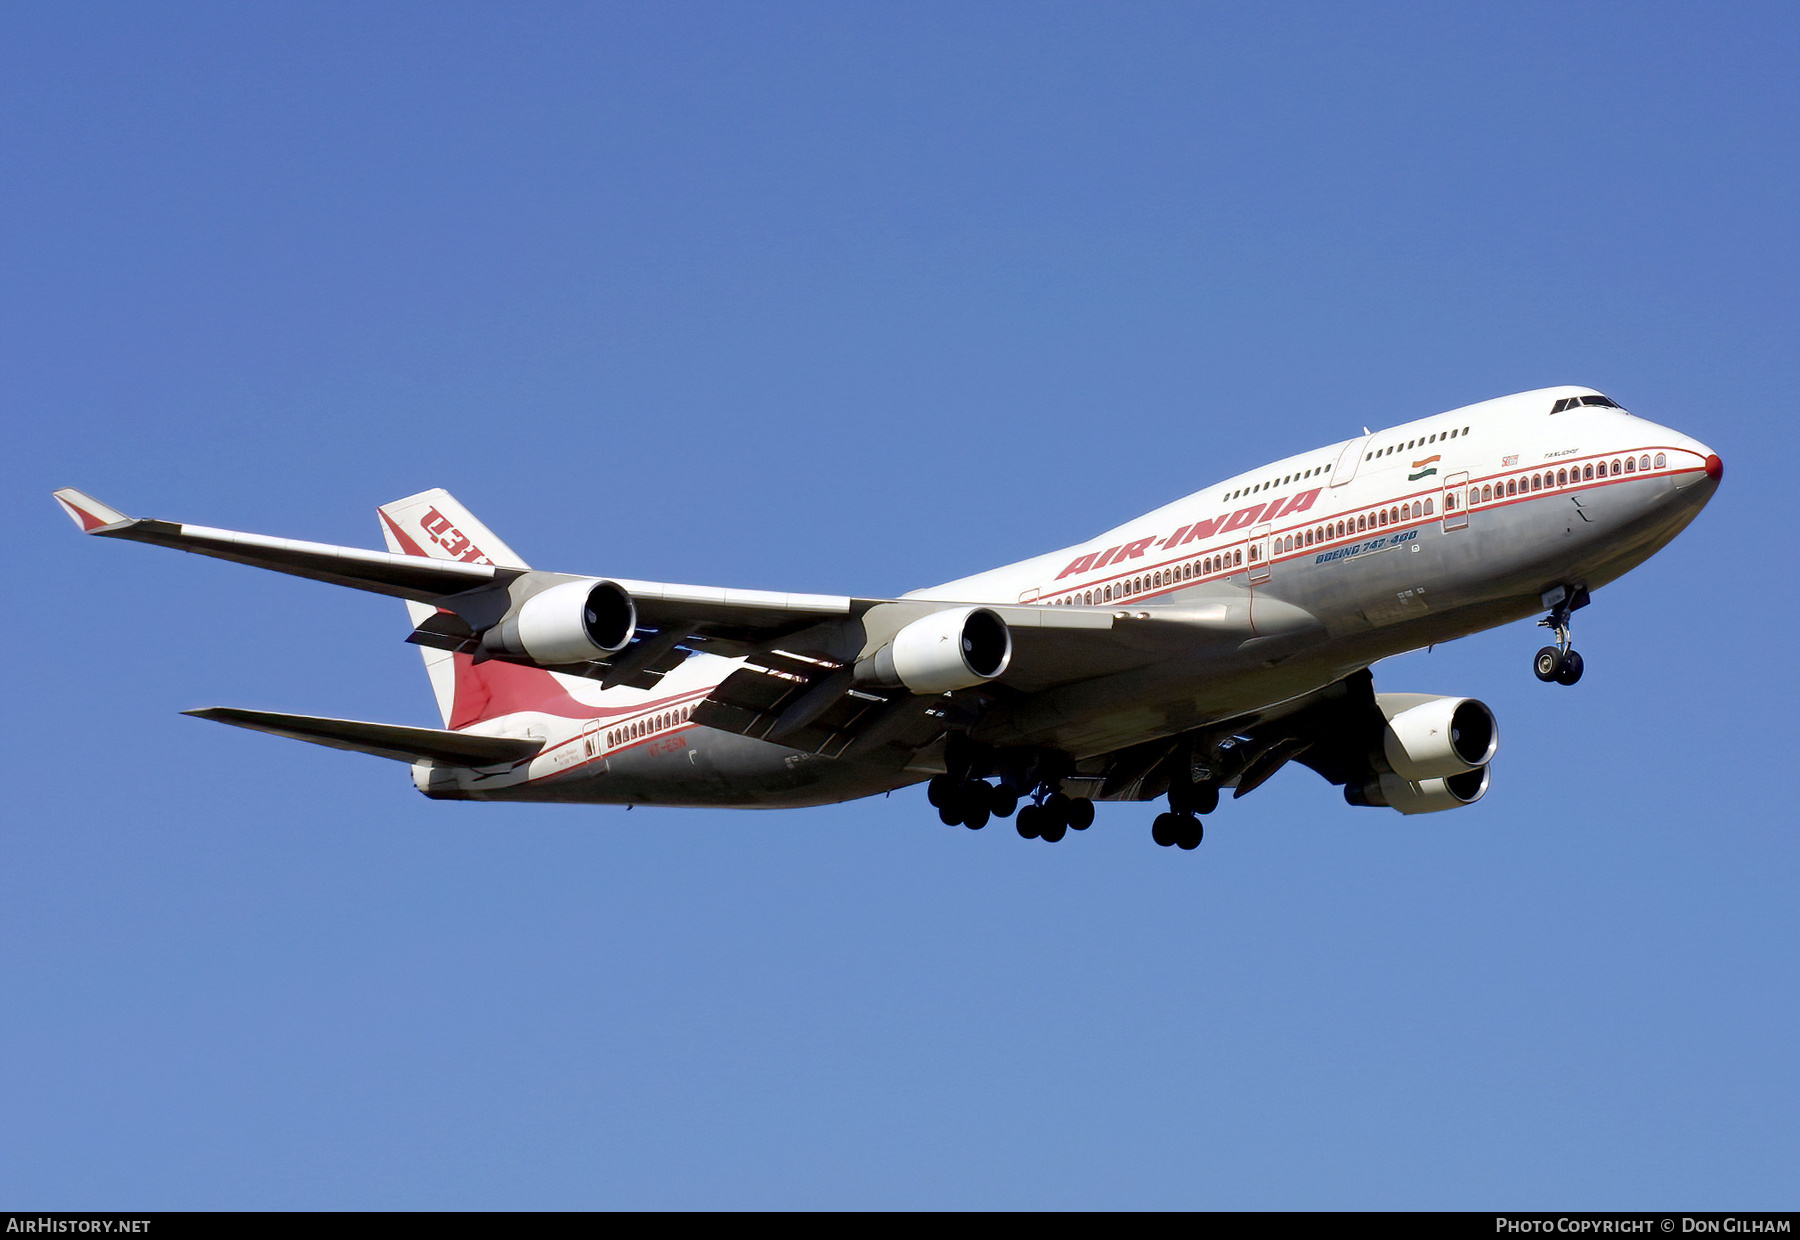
x: 1426, y: 796
x: 1429, y: 738
x: 1431, y: 754
x: 950, y: 649
x: 575, y: 622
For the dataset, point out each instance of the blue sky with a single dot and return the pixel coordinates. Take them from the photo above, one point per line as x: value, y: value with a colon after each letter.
x: 857, y: 299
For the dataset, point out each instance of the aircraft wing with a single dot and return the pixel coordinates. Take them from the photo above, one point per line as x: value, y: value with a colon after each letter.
x: 725, y: 617
x: 802, y: 691
x: 802, y: 649
x: 402, y: 576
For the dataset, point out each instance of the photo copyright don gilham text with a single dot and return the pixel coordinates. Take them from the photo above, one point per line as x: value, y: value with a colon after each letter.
x: 1644, y: 1225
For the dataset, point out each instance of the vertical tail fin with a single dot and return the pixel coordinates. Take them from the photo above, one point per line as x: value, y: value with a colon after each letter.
x: 434, y: 525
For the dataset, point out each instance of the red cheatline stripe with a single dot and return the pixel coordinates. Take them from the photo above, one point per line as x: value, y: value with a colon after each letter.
x: 1350, y: 513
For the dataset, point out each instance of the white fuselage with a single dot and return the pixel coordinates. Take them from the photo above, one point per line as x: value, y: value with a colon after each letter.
x: 1419, y: 533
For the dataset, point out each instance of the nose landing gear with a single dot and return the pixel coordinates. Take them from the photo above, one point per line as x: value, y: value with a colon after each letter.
x: 1560, y: 662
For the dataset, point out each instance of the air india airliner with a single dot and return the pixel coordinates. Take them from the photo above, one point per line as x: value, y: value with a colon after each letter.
x: 1197, y: 648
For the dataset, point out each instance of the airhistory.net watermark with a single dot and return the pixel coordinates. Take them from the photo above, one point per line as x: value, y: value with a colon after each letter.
x: 46, y: 1225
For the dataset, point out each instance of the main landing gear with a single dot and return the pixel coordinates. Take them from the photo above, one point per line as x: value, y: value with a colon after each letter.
x: 1027, y: 784
x: 963, y: 794
x: 1048, y: 818
x: 972, y: 802
x: 1560, y: 662
x: 1181, y: 826
x: 968, y: 801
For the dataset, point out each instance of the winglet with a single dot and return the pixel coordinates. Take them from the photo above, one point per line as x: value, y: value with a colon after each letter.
x: 87, y: 512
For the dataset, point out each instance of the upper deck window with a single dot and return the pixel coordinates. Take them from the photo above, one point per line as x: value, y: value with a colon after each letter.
x: 1571, y: 402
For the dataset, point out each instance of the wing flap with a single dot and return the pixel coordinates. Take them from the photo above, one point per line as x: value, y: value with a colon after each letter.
x: 822, y: 715
x: 384, y: 740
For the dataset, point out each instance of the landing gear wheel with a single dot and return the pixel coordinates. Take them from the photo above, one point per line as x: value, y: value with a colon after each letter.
x: 976, y: 816
x: 1570, y: 671
x: 1190, y: 834
x: 1548, y: 664
x: 1057, y: 806
x: 1003, y: 802
x: 950, y: 814
x: 1206, y: 798
x: 941, y: 791
x: 1030, y: 822
x: 1054, y: 830
x: 1081, y: 813
x: 1164, y: 828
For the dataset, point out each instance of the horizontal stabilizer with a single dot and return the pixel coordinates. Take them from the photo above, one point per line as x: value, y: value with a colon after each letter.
x: 384, y: 740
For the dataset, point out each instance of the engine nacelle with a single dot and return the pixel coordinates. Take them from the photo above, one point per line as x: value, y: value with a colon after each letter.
x: 575, y: 622
x: 1434, y: 738
x: 946, y: 650
x: 1426, y: 796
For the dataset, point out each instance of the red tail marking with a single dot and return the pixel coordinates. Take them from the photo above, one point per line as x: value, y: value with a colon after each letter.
x: 402, y: 537
x: 489, y: 690
x: 494, y: 688
x: 437, y: 527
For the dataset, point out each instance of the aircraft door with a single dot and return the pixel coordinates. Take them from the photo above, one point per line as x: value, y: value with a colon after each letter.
x: 1348, y: 460
x: 1256, y: 555
x: 1456, y: 512
x: 590, y: 740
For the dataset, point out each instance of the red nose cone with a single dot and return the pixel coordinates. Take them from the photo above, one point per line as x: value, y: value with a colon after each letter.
x: 1715, y: 468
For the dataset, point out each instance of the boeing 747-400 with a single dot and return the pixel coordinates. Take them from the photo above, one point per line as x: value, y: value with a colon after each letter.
x: 1197, y: 648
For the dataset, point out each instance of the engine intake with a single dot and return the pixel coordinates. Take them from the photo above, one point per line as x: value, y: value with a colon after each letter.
x: 946, y: 650
x: 1434, y: 738
x: 575, y: 622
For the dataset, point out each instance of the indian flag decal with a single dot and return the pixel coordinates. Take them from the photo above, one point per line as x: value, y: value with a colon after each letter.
x: 1421, y: 466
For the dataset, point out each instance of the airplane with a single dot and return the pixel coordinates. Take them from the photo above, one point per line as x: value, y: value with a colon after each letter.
x: 1199, y: 647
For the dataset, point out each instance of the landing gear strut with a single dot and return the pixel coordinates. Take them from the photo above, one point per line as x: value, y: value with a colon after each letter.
x: 1560, y: 662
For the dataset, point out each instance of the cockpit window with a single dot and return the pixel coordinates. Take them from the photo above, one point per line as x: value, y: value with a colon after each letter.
x: 1570, y: 402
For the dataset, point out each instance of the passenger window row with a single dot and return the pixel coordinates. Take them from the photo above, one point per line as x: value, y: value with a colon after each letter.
x: 1488, y: 492
x: 1350, y: 527
x: 1314, y: 472
x: 1193, y: 570
x: 1206, y: 566
x: 637, y: 729
x: 1410, y: 444
x: 1302, y: 476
